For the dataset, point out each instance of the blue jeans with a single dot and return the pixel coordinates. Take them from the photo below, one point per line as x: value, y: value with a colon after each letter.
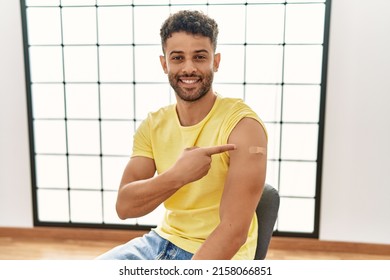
x: 151, y: 246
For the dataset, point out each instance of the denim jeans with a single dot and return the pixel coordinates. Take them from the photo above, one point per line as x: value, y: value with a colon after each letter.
x: 148, y: 247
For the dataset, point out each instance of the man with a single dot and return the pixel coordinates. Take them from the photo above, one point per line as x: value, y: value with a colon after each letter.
x: 209, y: 153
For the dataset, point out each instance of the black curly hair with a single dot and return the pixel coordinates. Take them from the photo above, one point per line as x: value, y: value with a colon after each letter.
x: 193, y: 22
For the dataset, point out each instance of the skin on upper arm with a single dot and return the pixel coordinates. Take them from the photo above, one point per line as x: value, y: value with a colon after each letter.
x: 242, y: 191
x: 138, y: 168
x: 246, y: 175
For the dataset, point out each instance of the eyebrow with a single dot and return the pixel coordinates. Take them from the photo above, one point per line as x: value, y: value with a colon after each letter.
x: 200, y: 51
x: 196, y: 51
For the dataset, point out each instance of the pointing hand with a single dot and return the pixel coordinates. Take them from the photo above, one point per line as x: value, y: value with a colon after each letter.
x: 194, y: 163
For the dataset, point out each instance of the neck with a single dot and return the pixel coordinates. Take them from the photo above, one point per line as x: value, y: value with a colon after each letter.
x: 191, y: 113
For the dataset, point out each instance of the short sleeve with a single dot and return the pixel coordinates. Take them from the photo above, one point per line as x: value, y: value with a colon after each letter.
x: 142, y: 141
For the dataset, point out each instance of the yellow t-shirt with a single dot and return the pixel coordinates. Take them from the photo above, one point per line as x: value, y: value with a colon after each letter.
x: 192, y: 213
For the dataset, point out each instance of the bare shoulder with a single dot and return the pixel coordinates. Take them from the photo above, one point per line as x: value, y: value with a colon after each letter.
x: 248, y: 135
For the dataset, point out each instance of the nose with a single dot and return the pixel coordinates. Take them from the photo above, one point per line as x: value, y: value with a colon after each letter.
x: 189, y: 67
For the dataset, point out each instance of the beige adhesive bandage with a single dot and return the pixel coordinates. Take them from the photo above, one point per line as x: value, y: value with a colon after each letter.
x: 257, y: 150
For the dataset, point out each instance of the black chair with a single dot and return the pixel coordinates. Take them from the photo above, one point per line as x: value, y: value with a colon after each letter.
x: 267, y: 212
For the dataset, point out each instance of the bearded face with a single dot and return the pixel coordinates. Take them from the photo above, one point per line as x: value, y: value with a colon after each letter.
x: 190, y: 62
x: 191, y: 87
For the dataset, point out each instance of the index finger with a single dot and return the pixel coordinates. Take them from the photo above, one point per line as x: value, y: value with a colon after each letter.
x: 219, y: 149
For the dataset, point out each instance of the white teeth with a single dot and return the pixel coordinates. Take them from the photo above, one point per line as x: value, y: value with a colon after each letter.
x: 189, y: 81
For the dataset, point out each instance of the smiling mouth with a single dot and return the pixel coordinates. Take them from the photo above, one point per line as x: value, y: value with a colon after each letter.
x: 189, y: 80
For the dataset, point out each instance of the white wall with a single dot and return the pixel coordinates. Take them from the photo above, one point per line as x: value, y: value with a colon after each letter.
x: 15, y: 185
x: 356, y: 175
x: 356, y: 171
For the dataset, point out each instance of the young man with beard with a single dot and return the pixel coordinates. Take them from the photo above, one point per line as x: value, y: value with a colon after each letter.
x: 209, y: 153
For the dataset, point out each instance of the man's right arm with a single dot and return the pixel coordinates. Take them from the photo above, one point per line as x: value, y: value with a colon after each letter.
x: 141, y: 192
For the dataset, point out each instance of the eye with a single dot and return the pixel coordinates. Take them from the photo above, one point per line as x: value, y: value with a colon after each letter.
x: 200, y: 57
x: 177, y: 58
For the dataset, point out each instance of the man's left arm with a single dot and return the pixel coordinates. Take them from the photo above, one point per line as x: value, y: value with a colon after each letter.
x: 242, y: 192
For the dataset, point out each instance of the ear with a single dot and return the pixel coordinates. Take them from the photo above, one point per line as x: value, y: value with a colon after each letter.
x: 163, y: 62
x: 217, y: 59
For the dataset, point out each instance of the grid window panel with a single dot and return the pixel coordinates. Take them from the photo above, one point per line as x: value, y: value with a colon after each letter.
x: 80, y: 64
x: 150, y: 97
x: 52, y: 171
x: 42, y: 3
x: 79, y: 213
x: 79, y: 25
x: 264, y: 64
x: 46, y: 64
x: 274, y: 141
x: 241, y: 2
x: 305, y: 1
x: 273, y: 172
x: 223, y: 2
x: 259, y: 19
x: 53, y: 205
x: 115, y: 25
x: 303, y: 64
x: 95, y: 74
x: 50, y: 136
x: 82, y: 101
x: 176, y: 8
x: 83, y: 137
x: 109, y: 201
x: 84, y: 178
x: 147, y: 64
x: 298, y: 179
x: 44, y: 26
x: 116, y: 101
x: 181, y: 2
x: 230, y: 31
x: 78, y: 2
x: 304, y: 97
x: 44, y: 94
x: 113, y: 167
x: 147, y: 20
x: 151, y: 2
x: 299, y: 141
x: 265, y: 100
x: 113, y: 2
x: 230, y: 70
x: 296, y: 215
x: 117, y: 137
x: 305, y: 24
x: 115, y: 64
x: 231, y: 90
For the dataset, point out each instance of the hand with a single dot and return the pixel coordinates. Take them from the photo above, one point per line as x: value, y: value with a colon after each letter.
x: 195, y: 163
